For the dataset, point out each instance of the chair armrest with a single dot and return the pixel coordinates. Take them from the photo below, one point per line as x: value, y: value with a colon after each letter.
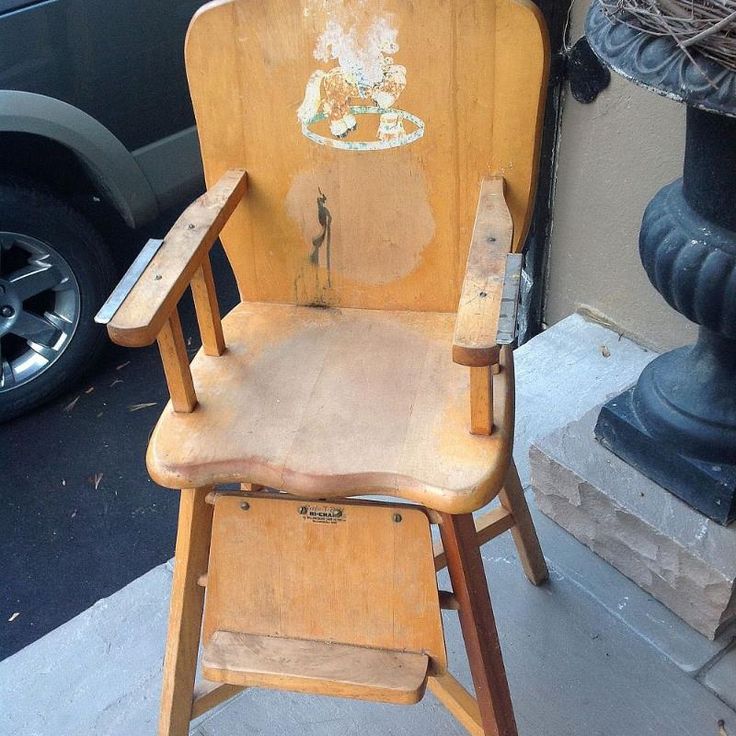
x: 486, y: 313
x: 145, y: 309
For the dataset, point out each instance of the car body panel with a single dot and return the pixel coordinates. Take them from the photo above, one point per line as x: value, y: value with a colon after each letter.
x: 108, y: 161
x: 173, y: 166
x: 106, y: 58
x: 106, y: 80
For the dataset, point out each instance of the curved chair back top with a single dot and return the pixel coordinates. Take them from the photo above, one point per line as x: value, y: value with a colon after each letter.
x: 366, y: 127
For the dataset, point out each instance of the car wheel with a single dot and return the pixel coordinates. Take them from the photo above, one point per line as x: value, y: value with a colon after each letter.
x: 55, y: 272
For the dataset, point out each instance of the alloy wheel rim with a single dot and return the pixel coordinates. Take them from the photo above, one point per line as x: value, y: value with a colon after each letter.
x: 40, y: 305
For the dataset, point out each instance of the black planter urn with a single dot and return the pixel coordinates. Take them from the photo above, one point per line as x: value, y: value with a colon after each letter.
x: 677, y: 425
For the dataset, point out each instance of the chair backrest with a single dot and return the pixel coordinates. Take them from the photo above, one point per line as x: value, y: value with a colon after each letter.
x: 366, y: 127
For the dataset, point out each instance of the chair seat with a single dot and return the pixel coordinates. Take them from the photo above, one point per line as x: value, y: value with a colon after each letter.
x: 335, y: 402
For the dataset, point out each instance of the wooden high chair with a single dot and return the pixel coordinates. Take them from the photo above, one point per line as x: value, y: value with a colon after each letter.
x: 369, y: 354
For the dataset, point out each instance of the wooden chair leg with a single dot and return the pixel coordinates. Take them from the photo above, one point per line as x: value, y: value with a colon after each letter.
x: 458, y: 701
x: 478, y: 625
x: 185, y: 612
x: 525, y: 535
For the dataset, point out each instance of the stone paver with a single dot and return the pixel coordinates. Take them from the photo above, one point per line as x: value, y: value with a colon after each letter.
x: 563, y: 373
x: 97, y: 674
x: 684, y: 559
x: 668, y: 633
x: 721, y: 678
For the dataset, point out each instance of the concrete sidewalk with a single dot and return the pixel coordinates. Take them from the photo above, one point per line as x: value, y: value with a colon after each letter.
x: 587, y: 654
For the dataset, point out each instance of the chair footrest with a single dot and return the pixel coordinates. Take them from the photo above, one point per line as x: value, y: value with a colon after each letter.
x: 317, y: 667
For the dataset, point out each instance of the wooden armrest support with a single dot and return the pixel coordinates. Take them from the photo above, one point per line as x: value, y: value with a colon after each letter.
x: 486, y: 316
x: 181, y: 259
x: 476, y: 327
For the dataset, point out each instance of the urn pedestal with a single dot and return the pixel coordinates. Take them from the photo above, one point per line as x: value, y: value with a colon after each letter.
x: 677, y: 426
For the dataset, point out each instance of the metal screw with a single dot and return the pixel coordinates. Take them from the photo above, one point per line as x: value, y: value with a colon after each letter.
x: 192, y: 226
x: 7, y: 311
x: 157, y: 277
x: 302, y: 510
x: 245, y: 505
x: 483, y: 294
x: 397, y: 518
x: 491, y: 239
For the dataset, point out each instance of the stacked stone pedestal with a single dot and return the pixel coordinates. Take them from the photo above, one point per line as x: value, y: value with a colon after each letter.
x: 682, y: 558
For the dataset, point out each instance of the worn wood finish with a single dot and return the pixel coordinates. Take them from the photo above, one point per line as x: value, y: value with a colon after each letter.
x: 146, y: 309
x: 481, y: 400
x: 185, y: 612
x: 458, y: 701
x: 176, y: 365
x: 525, y: 535
x: 208, y: 310
x: 401, y: 218
x: 478, y: 625
x: 330, y: 402
x: 208, y: 695
x: 345, y: 401
x: 317, y: 667
x: 487, y: 527
x: 347, y: 572
x: 474, y: 343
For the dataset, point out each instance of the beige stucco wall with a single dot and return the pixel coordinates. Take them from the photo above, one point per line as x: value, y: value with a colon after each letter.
x: 614, y: 155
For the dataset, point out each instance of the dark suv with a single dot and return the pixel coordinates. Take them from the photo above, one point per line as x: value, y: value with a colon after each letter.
x: 96, y: 127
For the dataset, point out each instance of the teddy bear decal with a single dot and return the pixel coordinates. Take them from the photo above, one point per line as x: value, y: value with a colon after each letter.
x: 363, y: 87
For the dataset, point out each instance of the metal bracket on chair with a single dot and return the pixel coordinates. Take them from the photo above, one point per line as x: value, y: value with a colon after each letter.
x: 126, y: 284
x: 506, y: 332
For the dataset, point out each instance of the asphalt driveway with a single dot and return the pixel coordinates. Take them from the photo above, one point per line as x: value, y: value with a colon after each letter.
x: 79, y: 517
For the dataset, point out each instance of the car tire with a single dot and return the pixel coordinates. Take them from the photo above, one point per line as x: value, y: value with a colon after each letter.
x: 55, y: 272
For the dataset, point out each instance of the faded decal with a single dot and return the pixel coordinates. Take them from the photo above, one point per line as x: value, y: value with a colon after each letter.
x: 353, y: 105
